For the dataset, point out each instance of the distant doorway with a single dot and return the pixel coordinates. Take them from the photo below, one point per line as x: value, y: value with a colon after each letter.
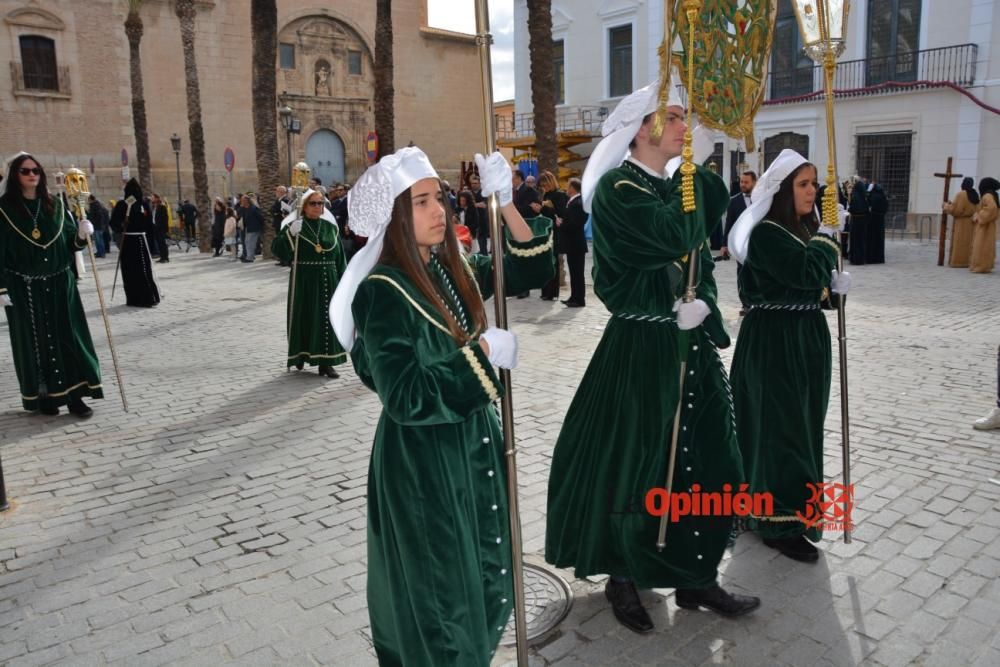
x: 325, y: 156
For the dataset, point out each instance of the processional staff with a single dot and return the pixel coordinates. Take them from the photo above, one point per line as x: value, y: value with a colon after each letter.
x: 947, y: 176
x: 78, y: 189
x: 483, y: 40
x: 823, y: 24
x: 299, y: 185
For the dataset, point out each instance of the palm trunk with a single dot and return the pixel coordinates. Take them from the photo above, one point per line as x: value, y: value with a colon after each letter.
x: 264, y: 31
x: 384, y: 92
x: 186, y: 12
x: 543, y: 91
x: 133, y: 30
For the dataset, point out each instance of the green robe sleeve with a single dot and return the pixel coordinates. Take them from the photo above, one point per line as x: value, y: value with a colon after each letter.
x: 774, y: 250
x: 708, y: 292
x: 418, y: 386
x: 526, y: 266
x: 648, y: 232
x: 283, y: 246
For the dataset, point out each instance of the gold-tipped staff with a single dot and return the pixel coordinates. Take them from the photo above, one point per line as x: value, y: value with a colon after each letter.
x: 78, y: 189
x: 483, y: 40
x: 823, y: 24
x: 691, y: 10
x: 300, y: 183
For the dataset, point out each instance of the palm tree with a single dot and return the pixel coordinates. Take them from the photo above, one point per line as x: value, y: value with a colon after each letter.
x: 384, y: 92
x: 264, y: 36
x: 543, y: 86
x: 133, y: 30
x: 187, y: 12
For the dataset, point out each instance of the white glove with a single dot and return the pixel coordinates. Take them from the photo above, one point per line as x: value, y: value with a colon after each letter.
x: 285, y: 207
x: 495, y: 177
x: 295, y: 227
x: 833, y: 230
x: 5, y: 301
x: 85, y: 229
x: 840, y: 283
x: 690, y: 315
x: 503, y: 344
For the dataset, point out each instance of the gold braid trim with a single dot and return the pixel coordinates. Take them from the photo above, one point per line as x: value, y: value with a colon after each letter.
x: 412, y: 302
x: 480, y: 372
x: 637, y: 187
x: 822, y: 238
x: 532, y: 252
x: 63, y: 393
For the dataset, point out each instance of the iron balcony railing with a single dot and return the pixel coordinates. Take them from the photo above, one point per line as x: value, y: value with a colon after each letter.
x: 568, y: 119
x: 56, y: 81
x: 948, y: 64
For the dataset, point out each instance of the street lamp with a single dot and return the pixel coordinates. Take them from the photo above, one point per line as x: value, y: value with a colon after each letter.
x: 285, y: 113
x: 175, y: 143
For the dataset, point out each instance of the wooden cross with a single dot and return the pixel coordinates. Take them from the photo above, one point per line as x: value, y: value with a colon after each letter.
x: 947, y: 176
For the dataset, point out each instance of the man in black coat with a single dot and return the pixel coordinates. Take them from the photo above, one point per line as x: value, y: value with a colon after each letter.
x: 98, y: 215
x: 253, y: 225
x: 279, y: 209
x: 573, y: 243
x: 857, y: 237
x: 161, y: 224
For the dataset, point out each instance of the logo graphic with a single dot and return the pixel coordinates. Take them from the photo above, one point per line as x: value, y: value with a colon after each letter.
x: 830, y: 506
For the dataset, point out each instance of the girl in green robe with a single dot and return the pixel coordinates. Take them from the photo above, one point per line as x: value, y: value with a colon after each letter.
x: 781, y: 368
x: 315, y: 272
x: 439, y: 556
x: 54, y: 356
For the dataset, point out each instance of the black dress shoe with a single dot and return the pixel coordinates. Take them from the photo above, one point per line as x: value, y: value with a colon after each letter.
x: 523, y: 295
x: 328, y: 371
x: 569, y: 303
x: 79, y: 409
x: 717, y: 599
x: 51, y: 412
x: 299, y: 364
x: 627, y: 606
x: 796, y: 548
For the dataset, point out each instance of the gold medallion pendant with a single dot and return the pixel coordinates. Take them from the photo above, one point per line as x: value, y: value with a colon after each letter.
x: 319, y: 248
x: 36, y: 233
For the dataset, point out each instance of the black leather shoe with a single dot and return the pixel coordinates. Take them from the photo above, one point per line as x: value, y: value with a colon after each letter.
x: 79, y: 409
x: 717, y: 599
x: 627, y: 606
x: 569, y: 303
x: 328, y: 371
x: 51, y: 412
x: 300, y: 365
x: 796, y: 548
x: 523, y: 295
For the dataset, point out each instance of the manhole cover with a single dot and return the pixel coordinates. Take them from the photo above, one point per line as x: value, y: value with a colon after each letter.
x: 547, y: 601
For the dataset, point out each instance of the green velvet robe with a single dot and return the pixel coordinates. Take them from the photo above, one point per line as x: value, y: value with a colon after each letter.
x: 781, y: 372
x: 614, y: 445
x: 54, y: 356
x: 439, y: 558
x: 310, y: 336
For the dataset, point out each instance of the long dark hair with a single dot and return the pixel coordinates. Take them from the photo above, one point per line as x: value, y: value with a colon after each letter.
x: 470, y: 199
x: 783, y: 211
x: 14, y: 196
x: 401, y: 251
x: 970, y: 191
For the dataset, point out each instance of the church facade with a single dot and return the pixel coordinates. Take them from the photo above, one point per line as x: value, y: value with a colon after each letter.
x: 68, y: 96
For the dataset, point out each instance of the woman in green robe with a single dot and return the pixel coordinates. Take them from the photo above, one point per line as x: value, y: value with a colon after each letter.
x: 439, y: 556
x: 782, y: 364
x: 314, y: 277
x: 54, y: 356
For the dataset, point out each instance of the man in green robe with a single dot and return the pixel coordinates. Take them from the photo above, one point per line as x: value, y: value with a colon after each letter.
x: 615, y: 442
x: 54, y: 357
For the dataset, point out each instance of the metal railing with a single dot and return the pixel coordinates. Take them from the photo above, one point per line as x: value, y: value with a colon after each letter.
x: 951, y: 64
x: 568, y: 119
x: 56, y: 82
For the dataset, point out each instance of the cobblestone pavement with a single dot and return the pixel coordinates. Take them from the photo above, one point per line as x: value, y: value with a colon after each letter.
x: 223, y: 518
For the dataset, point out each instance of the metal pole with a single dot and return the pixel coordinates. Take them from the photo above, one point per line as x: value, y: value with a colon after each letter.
x: 177, y: 156
x: 483, y: 40
x: 288, y: 146
x: 4, y: 505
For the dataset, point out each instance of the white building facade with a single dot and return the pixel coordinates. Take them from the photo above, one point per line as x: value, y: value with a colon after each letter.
x: 918, y: 82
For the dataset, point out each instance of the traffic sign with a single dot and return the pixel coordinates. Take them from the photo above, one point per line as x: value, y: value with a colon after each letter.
x: 229, y: 159
x: 124, y: 158
x: 371, y: 147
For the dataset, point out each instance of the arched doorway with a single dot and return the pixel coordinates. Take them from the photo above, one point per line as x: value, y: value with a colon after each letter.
x: 325, y: 156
